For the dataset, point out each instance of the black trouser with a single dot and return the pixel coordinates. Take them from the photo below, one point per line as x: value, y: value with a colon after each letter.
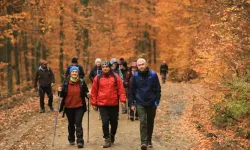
x: 48, y: 91
x: 147, y: 116
x: 164, y: 76
x: 75, y: 116
x: 109, y: 115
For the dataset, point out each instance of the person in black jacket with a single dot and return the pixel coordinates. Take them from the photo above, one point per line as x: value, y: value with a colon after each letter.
x: 164, y: 71
x: 97, y: 69
x: 46, y: 79
x: 145, y: 93
x: 75, y: 63
x: 73, y: 91
x: 124, y: 70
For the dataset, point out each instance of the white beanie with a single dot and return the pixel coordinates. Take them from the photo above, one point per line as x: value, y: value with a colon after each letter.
x: 98, y: 60
x: 113, y: 60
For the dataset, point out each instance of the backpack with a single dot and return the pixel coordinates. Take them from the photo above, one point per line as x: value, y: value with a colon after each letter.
x: 152, y: 75
x: 48, y: 68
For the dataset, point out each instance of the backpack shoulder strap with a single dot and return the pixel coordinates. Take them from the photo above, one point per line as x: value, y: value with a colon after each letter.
x: 98, y: 81
x: 81, y: 81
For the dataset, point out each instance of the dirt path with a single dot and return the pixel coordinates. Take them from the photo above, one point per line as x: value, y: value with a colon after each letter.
x: 172, y: 129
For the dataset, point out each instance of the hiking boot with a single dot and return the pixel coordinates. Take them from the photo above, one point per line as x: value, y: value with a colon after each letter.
x: 150, y: 145
x: 107, y: 143
x: 42, y: 110
x: 80, y: 145
x: 112, y: 138
x: 71, y: 143
x: 51, y: 108
x: 124, y: 111
x: 143, y: 147
x: 132, y: 118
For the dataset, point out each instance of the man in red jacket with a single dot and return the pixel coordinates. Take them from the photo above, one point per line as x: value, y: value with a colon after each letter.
x: 107, y: 90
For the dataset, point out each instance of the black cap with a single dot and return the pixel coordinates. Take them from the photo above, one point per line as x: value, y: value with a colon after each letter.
x: 74, y: 60
x: 106, y: 63
x: 124, y: 63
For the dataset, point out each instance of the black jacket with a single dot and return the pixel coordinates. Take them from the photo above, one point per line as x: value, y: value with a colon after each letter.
x: 44, y: 76
x: 84, y: 91
x: 164, y: 69
x: 81, y: 73
x: 95, y: 71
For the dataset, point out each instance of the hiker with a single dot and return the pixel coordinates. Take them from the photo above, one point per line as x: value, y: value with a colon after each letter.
x: 145, y: 92
x: 73, y: 91
x: 164, y: 71
x: 115, y: 68
x: 45, y: 77
x: 97, y: 69
x: 74, y: 62
x: 132, y: 70
x: 124, y: 70
x: 106, y: 91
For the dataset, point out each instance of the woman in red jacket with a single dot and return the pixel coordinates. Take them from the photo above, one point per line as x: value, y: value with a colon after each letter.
x: 107, y: 90
x: 74, y: 90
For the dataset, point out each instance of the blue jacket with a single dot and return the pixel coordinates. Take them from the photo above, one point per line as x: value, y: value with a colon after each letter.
x: 145, y: 88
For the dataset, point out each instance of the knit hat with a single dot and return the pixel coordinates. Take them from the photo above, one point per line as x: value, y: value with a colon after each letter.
x: 133, y: 64
x: 121, y: 59
x: 124, y: 63
x: 74, y: 60
x: 113, y: 60
x: 98, y: 60
x: 106, y: 63
x: 74, y: 68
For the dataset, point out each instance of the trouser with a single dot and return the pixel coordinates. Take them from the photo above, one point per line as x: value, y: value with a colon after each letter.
x: 124, y: 108
x: 75, y: 116
x: 48, y: 91
x: 109, y: 115
x: 146, y: 116
x: 164, y: 77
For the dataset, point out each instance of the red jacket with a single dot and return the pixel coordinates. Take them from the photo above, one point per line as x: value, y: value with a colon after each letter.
x: 106, y: 94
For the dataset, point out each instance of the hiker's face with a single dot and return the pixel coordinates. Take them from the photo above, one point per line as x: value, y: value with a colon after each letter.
x: 74, y: 74
x: 142, y: 66
x: 134, y: 69
x: 105, y: 69
x: 74, y: 64
x: 98, y: 64
x: 114, y: 65
x: 122, y: 67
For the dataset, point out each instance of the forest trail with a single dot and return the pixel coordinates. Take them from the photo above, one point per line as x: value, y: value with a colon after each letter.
x: 32, y: 130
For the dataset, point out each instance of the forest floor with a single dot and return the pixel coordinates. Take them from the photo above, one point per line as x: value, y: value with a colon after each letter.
x: 23, y: 127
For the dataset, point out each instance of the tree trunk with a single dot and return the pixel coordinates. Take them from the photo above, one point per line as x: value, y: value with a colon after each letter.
x: 44, y: 52
x: 16, y: 54
x: 154, y: 45
x: 9, y: 67
x: 26, y: 61
x: 61, y: 43
x: 37, y: 51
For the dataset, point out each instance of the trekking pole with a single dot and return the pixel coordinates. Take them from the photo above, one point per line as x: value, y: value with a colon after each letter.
x: 58, y: 105
x: 128, y: 109
x: 88, y: 123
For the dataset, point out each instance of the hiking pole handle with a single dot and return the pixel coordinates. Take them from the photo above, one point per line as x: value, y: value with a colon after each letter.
x: 58, y: 105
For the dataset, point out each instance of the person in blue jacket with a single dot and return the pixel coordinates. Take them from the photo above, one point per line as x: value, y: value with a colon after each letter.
x: 145, y: 92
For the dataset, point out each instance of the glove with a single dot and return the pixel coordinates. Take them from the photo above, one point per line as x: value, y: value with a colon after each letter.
x: 156, y: 103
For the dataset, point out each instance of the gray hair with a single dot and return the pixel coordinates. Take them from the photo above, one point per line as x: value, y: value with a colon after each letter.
x: 141, y: 60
